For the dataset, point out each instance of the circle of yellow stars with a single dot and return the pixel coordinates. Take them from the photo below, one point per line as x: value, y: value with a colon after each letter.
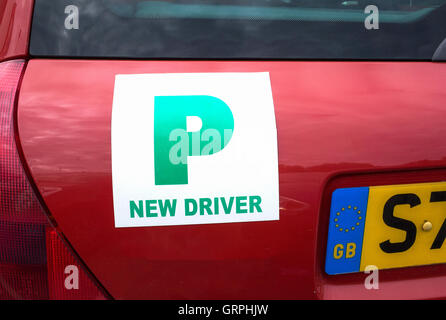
x: 345, y: 210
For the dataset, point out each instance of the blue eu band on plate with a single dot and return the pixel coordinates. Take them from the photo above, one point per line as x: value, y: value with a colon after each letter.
x: 386, y: 226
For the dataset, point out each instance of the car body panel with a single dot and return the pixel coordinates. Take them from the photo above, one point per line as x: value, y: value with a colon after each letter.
x: 15, y: 22
x: 339, y: 124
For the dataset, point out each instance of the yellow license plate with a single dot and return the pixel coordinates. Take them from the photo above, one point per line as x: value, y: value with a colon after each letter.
x: 387, y: 227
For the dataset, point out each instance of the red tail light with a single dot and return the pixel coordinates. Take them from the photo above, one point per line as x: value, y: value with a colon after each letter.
x: 34, y: 262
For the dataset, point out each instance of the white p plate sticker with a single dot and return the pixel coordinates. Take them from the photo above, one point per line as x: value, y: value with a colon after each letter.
x: 194, y: 148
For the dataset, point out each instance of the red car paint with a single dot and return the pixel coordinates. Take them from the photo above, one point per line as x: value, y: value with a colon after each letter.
x: 15, y: 22
x: 339, y: 124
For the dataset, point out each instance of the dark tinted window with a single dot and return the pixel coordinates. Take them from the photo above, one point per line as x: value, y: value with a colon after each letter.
x: 238, y: 29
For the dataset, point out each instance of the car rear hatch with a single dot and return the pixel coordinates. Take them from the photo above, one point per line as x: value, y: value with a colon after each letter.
x: 354, y: 123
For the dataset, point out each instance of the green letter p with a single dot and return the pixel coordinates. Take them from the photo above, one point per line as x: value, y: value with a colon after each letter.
x: 174, y: 143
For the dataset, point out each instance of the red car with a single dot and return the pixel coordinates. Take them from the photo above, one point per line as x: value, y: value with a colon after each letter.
x: 222, y: 149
